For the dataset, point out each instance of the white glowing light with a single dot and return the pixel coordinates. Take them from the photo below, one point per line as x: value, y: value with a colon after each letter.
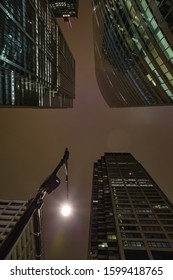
x: 66, y: 210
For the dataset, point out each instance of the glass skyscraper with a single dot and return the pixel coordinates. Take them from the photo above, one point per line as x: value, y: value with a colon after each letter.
x: 65, y: 8
x: 37, y: 68
x: 131, y: 218
x: 133, y: 51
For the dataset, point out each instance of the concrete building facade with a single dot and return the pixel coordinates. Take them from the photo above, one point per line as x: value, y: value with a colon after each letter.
x: 131, y: 218
x: 26, y: 244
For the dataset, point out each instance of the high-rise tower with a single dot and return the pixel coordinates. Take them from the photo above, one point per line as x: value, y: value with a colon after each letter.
x: 37, y: 68
x: 133, y: 51
x: 65, y: 8
x: 131, y: 218
x: 26, y: 244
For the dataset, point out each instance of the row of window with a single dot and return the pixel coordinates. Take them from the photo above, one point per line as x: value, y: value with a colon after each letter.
x: 132, y: 243
x: 156, y: 244
x: 104, y: 216
x: 125, y: 228
x: 138, y: 77
x: 160, y: 216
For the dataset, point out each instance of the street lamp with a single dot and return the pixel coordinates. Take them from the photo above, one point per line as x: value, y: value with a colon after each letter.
x: 33, y: 209
x: 66, y: 209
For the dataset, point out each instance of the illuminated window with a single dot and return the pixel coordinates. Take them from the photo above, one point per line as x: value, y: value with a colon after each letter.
x: 159, y: 244
x: 133, y: 243
x: 103, y: 244
x: 158, y: 206
x: 112, y: 237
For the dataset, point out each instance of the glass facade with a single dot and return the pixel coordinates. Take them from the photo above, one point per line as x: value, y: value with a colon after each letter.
x: 30, y: 69
x: 10, y: 214
x: 133, y: 51
x: 131, y: 218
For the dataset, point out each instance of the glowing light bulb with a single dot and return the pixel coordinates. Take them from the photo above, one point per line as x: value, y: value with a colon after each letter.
x: 66, y: 210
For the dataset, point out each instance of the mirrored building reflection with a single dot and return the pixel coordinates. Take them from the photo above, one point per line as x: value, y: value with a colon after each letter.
x: 131, y: 218
x: 133, y: 43
x: 37, y: 68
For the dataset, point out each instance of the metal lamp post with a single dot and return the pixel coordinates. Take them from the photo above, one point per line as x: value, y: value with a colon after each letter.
x: 33, y: 209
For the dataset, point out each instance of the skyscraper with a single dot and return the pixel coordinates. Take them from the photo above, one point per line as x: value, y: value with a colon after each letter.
x: 27, y: 244
x: 131, y: 218
x: 133, y: 51
x: 65, y: 8
x: 37, y: 68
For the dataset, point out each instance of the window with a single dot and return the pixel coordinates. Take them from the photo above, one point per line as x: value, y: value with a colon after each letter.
x: 127, y: 243
x: 159, y: 244
x: 162, y: 255
x: 146, y: 216
x: 103, y: 244
x: 123, y: 205
x: 165, y: 210
x: 151, y: 228
x: 126, y: 216
x: 148, y: 221
x: 112, y: 237
x: 167, y: 222
x: 122, y: 211
x: 143, y: 211
x: 130, y: 235
x: 155, y: 235
x: 136, y: 254
x: 164, y: 216
x: 124, y: 221
x: 159, y: 206
x: 142, y: 205
x: 128, y: 228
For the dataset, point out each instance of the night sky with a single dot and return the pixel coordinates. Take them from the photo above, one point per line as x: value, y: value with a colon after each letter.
x: 33, y: 141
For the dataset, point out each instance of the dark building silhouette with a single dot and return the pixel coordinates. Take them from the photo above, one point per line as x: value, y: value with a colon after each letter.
x: 131, y: 218
x: 26, y: 245
x: 37, y: 68
x: 133, y: 51
x: 65, y: 9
